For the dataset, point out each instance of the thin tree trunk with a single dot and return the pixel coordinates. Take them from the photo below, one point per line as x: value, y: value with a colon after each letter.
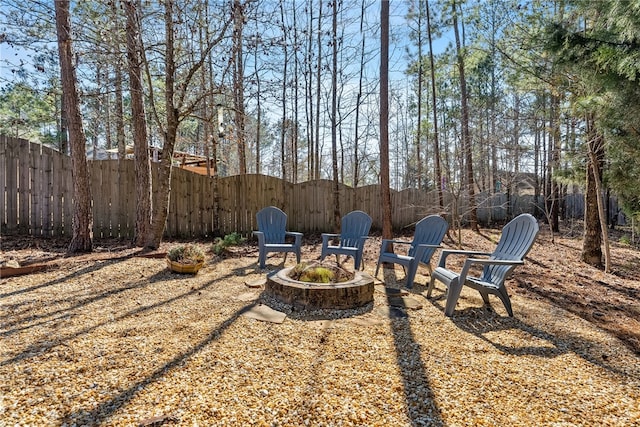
x: 258, y: 113
x: 436, y: 143
x: 82, y: 221
x: 334, y: 112
x: 214, y: 138
x: 384, y: 120
x: 418, y: 143
x: 139, y: 124
x: 318, y: 94
x: 356, y: 138
x: 119, y: 108
x: 309, y: 97
x: 295, y: 136
x: 283, y: 130
x: 555, y: 163
x: 466, y: 137
x: 238, y: 86
x: 536, y: 166
x: 207, y: 108
x: 161, y: 208
x: 593, y: 212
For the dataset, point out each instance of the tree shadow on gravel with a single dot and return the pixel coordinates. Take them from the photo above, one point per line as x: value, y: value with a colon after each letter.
x: 480, y: 321
x: 106, y: 409
x: 88, y: 297
x: 95, y: 266
x: 592, y: 309
x: 38, y: 348
x: 420, y: 400
x: 483, y: 321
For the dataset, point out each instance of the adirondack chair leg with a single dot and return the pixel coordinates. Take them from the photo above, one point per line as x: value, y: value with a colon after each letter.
x: 298, y: 257
x: 453, y: 293
x: 485, y: 297
x: 285, y: 257
x: 409, y: 278
x: 432, y: 281
x: 262, y: 259
x: 504, y: 297
x: 377, y: 268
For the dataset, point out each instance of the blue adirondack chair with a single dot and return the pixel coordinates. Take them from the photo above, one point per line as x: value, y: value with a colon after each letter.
x: 426, y: 239
x: 515, y: 242
x: 272, y: 224
x: 354, y: 230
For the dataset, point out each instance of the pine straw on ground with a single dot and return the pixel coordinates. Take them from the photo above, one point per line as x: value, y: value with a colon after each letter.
x: 114, y: 339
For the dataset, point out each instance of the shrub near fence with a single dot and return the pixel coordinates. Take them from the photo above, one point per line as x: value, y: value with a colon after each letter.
x: 36, y: 182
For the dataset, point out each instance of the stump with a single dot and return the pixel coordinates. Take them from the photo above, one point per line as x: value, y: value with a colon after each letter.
x: 316, y: 296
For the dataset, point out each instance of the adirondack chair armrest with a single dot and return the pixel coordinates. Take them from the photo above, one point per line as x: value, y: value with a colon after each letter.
x: 385, y: 242
x: 400, y: 242
x: 446, y: 252
x: 478, y: 261
x: 327, y: 236
x: 296, y: 234
x: 260, y: 236
x: 420, y: 249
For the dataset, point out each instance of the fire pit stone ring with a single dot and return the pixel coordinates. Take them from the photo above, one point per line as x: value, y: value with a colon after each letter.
x: 307, y: 296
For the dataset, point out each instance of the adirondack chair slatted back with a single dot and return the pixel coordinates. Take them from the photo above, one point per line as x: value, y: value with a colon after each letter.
x: 355, y: 225
x: 430, y: 231
x: 273, y: 223
x: 515, y: 242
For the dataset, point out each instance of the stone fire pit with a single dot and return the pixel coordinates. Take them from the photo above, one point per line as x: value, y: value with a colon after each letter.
x: 319, y: 296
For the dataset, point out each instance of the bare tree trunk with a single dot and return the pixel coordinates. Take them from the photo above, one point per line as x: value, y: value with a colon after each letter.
x: 436, y: 143
x: 119, y: 109
x: 214, y: 140
x: 206, y: 120
x: 554, y: 163
x: 259, y: 110
x: 296, y: 129
x: 238, y: 84
x: 309, y: 96
x: 108, y: 142
x: 283, y: 130
x: 384, y: 120
x: 139, y: 124
x: 334, y: 112
x: 466, y: 137
x: 318, y: 95
x: 594, y: 229
x: 356, y: 138
x: 536, y: 166
x: 418, y: 143
x: 82, y: 221
x: 64, y: 127
x: 161, y: 208
x: 120, y: 139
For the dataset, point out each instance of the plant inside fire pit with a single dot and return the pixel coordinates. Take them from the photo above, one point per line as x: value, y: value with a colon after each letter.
x: 317, y: 272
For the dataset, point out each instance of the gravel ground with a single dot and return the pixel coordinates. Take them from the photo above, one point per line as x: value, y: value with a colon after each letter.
x: 123, y: 341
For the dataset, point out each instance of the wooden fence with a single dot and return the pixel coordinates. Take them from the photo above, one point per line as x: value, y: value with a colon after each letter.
x: 36, y: 199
